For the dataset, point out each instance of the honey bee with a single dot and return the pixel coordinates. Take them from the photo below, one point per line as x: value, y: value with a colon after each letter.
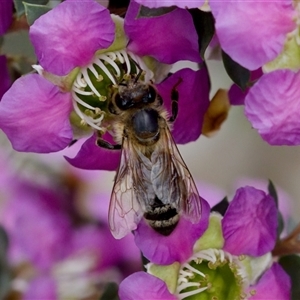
x: 152, y: 180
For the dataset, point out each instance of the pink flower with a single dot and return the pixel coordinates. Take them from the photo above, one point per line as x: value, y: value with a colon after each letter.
x: 230, y: 259
x: 73, y: 77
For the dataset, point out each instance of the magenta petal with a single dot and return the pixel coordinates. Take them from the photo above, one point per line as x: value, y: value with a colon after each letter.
x: 92, y: 157
x: 5, y: 81
x: 253, y: 32
x: 274, y: 284
x: 273, y: 107
x: 69, y: 35
x: 193, y: 102
x: 34, y: 115
x: 162, y: 37
x: 141, y: 285
x: 167, y: 3
x: 250, y: 223
x: 178, y: 246
x: 6, y: 15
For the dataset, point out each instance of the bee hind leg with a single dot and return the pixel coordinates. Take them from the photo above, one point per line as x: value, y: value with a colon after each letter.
x: 107, y: 145
x: 174, y: 103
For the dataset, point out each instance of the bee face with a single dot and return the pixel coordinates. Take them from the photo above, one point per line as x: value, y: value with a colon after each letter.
x: 134, y: 94
x: 152, y: 180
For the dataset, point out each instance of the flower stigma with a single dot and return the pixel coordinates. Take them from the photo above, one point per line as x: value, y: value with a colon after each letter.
x: 95, y: 84
x: 212, y: 274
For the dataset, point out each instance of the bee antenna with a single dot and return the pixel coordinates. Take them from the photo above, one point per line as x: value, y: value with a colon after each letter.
x: 139, y: 68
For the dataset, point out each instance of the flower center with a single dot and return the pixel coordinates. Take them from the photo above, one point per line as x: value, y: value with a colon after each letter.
x: 95, y: 83
x: 212, y: 274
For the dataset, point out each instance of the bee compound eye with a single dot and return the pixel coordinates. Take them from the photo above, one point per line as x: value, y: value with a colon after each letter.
x: 151, y: 95
x: 121, y: 102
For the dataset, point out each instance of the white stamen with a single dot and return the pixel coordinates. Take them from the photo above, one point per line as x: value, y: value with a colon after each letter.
x: 82, y: 102
x: 80, y: 82
x: 112, y: 55
x: 188, y: 266
x: 84, y: 117
x: 183, y: 286
x: 99, y: 63
x: 185, y: 273
x: 89, y: 82
x: 81, y: 92
x: 120, y: 57
x: 126, y: 61
x: 222, y: 255
x: 112, y: 63
x: 94, y: 71
x: 191, y: 293
x: 99, y: 119
x: 38, y: 68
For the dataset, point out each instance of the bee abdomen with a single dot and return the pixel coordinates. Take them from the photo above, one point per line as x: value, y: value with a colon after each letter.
x: 162, y: 219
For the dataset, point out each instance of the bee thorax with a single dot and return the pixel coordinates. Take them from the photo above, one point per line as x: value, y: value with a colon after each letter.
x: 145, y: 125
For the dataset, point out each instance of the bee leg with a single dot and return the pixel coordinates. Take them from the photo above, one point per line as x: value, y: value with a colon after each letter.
x: 174, y: 103
x: 105, y: 144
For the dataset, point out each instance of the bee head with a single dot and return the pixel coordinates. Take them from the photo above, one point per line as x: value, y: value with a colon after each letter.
x: 134, y: 94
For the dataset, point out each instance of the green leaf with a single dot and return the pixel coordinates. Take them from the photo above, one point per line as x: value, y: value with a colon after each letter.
x: 291, y: 265
x: 273, y: 193
x: 34, y: 11
x: 146, y: 12
x: 5, y: 279
x: 3, y: 242
x: 238, y: 74
x: 110, y: 292
x: 221, y: 207
x: 19, y: 5
x: 205, y: 26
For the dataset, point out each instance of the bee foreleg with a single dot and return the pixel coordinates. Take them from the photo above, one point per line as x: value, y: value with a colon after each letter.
x: 174, y: 103
x: 107, y: 145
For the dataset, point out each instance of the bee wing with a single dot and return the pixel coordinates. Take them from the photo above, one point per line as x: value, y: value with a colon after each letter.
x: 171, y: 179
x: 132, y: 185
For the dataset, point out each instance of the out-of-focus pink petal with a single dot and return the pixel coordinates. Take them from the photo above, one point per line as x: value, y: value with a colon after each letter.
x: 167, y: 3
x: 250, y: 223
x: 237, y: 95
x: 193, y: 88
x: 43, y: 287
x: 93, y: 241
x: 69, y: 35
x: 42, y: 244
x: 142, y: 285
x: 253, y: 32
x: 93, y: 157
x: 5, y: 81
x: 34, y: 115
x: 273, y: 107
x: 274, y: 284
x: 6, y: 15
x: 178, y: 246
x: 162, y: 37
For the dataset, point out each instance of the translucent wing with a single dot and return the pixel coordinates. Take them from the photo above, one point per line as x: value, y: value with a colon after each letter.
x: 172, y: 182
x: 131, y: 190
